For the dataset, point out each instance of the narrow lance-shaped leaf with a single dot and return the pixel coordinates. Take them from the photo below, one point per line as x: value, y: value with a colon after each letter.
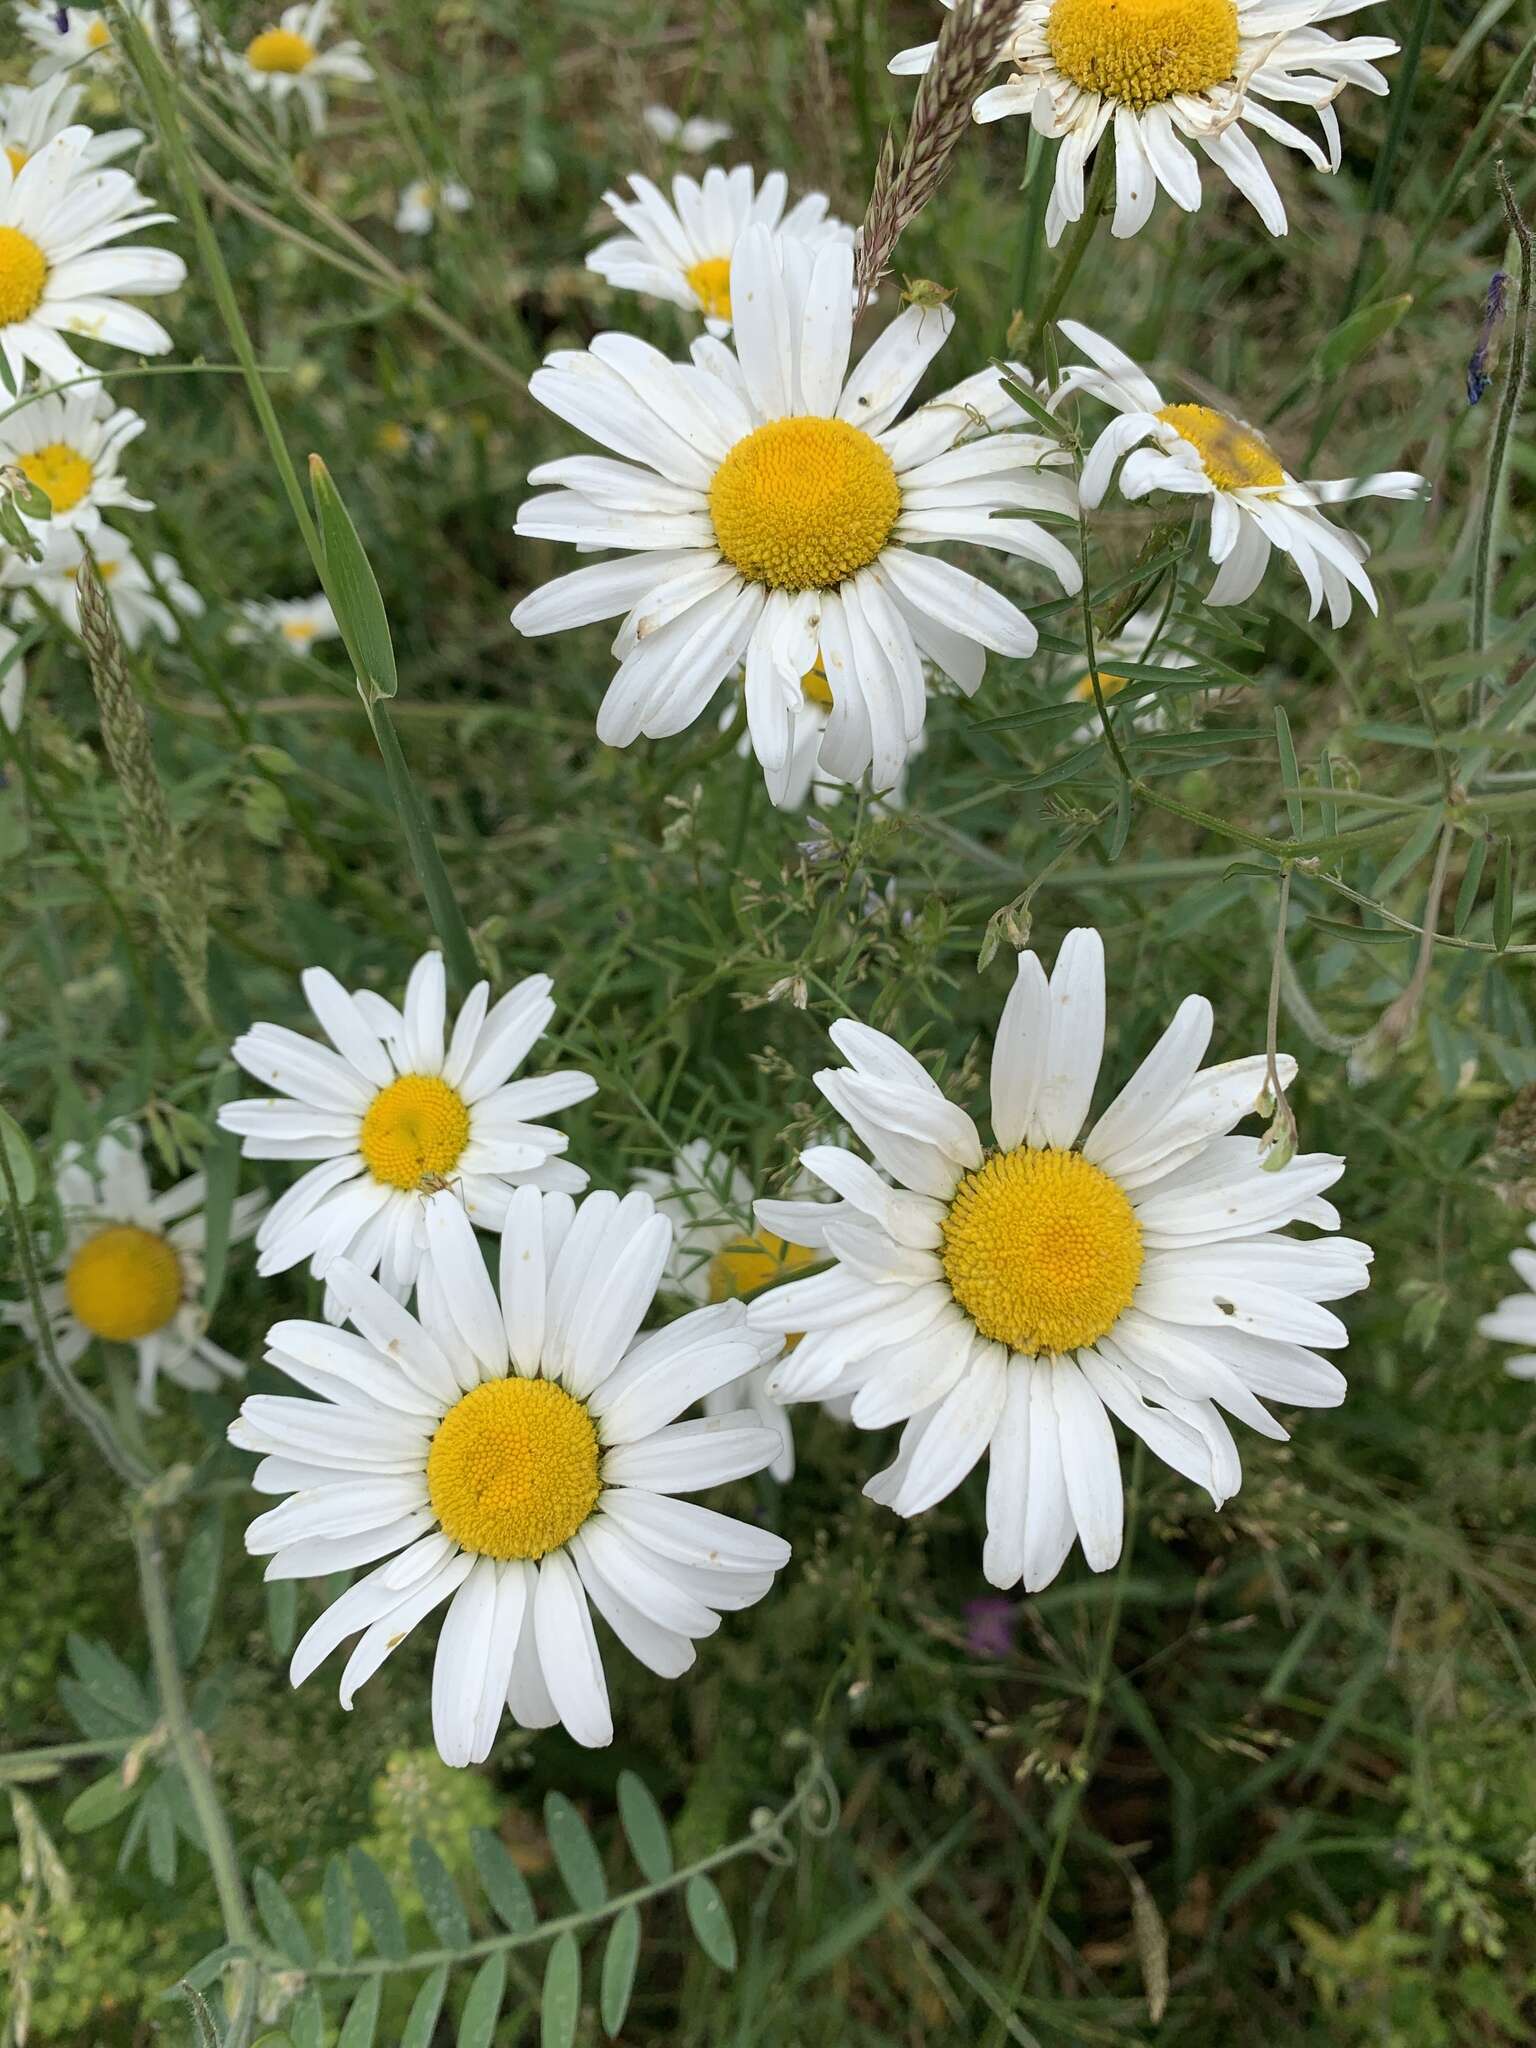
x: 439, y: 1895
x: 1289, y: 773
x: 197, y: 1584
x: 644, y: 1828
x: 560, y: 2007
x: 336, y: 1904
x: 575, y: 1853
x: 284, y: 1927
x: 421, y: 2024
x: 620, y: 1957
x: 1504, y: 895
x: 19, y: 1157
x: 710, y: 1921
x: 353, y: 589
x: 378, y: 1904
x: 505, y: 1886
x: 362, y: 2021
x: 1471, y: 881
x: 482, y: 2008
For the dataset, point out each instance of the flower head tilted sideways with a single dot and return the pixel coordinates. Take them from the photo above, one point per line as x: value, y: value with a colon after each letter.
x: 1159, y: 70
x: 287, y: 60
x: 67, y: 37
x: 31, y: 115
x: 1130, y: 646
x: 717, y: 1255
x: 520, y: 1457
x: 131, y: 1269
x: 424, y: 199
x: 144, y: 599
x: 69, y: 443
x: 296, y: 622
x: 1012, y: 1299
x: 1256, y: 505
x: 396, y: 1109
x: 693, y: 136
x: 775, y: 518
x: 1514, y: 1320
x: 682, y: 252
x: 58, y: 277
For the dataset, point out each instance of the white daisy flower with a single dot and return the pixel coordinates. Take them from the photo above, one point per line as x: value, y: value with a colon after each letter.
x: 31, y: 115
x: 286, y: 60
x: 69, y: 444
x: 144, y: 599
x: 693, y: 136
x: 776, y: 515
x: 65, y: 36
x: 1162, y: 69
x: 131, y: 1269
x: 297, y: 621
x: 403, y: 1108
x: 520, y: 1456
x: 1130, y: 644
x: 682, y: 252
x: 424, y: 199
x: 13, y: 679
x: 1013, y: 1299
x: 717, y: 1255
x: 1256, y: 504
x: 58, y: 277
x: 1514, y: 1320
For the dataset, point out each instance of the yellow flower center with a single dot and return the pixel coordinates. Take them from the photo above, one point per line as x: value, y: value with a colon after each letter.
x: 748, y: 1263
x: 23, y: 273
x: 1233, y: 456
x: 414, y: 1131
x: 802, y: 504
x: 17, y: 156
x: 1109, y: 685
x: 1141, y: 52
x: 710, y: 283
x: 279, y: 49
x: 814, y: 686
x: 98, y: 35
x: 63, y: 472
x: 1042, y: 1250
x: 298, y: 631
x: 512, y: 1471
x: 124, y: 1283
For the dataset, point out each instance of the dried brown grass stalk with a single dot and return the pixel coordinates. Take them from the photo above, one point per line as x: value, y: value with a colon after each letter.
x: 970, y: 46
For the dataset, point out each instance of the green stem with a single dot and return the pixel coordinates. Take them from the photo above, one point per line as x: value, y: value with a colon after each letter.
x: 1095, y: 202
x: 187, y: 1746
x: 1485, y: 569
x: 22, y: 1766
x: 442, y: 904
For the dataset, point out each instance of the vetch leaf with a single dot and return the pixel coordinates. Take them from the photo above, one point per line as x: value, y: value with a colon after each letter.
x: 439, y: 1894
x: 99, y: 1803
x: 109, y: 1681
x: 284, y: 1927
x: 19, y: 1154
x: 1289, y: 773
x: 306, y: 2022
x: 421, y: 2023
x: 482, y: 2008
x: 336, y: 1905
x: 1504, y: 894
x: 361, y: 2023
x: 378, y: 1904
x: 282, y: 1614
x: 620, y: 1957
x: 560, y: 2006
x: 710, y: 1921
x: 644, y: 1828
x: 1471, y: 881
x: 505, y: 1886
x: 575, y: 1853
x: 197, y: 1584
x: 1361, y: 331
x: 353, y: 589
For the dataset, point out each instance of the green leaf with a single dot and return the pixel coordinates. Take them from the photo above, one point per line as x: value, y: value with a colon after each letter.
x: 445, y: 1909
x: 353, y: 590
x: 1361, y: 331
x: 710, y: 1921
x: 1290, y: 775
x: 505, y: 1886
x: 282, y: 1614
x: 361, y: 2023
x: 620, y: 1957
x: 99, y: 1803
x: 161, y: 1823
x: 378, y: 1904
x: 336, y: 1903
x: 109, y: 1681
x: 1504, y: 894
x: 19, y: 1153
x: 560, y: 2006
x: 1046, y: 420
x: 197, y: 1584
x: 306, y: 2023
x: 644, y: 1828
x: 1471, y: 881
x: 285, y: 1929
x: 477, y: 2022
x: 1330, y: 809
x: 575, y: 1853
x: 421, y: 2023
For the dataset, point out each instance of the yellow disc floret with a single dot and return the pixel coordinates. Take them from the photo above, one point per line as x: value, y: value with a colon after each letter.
x: 747, y: 1263
x: 23, y: 273
x: 710, y: 283
x: 1142, y: 52
x: 1233, y: 456
x: 802, y: 504
x: 414, y: 1131
x: 1109, y: 686
x: 279, y: 49
x: 512, y: 1471
x: 98, y: 35
x: 63, y: 472
x: 124, y: 1283
x: 814, y: 686
x: 1042, y: 1250
x: 16, y: 157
